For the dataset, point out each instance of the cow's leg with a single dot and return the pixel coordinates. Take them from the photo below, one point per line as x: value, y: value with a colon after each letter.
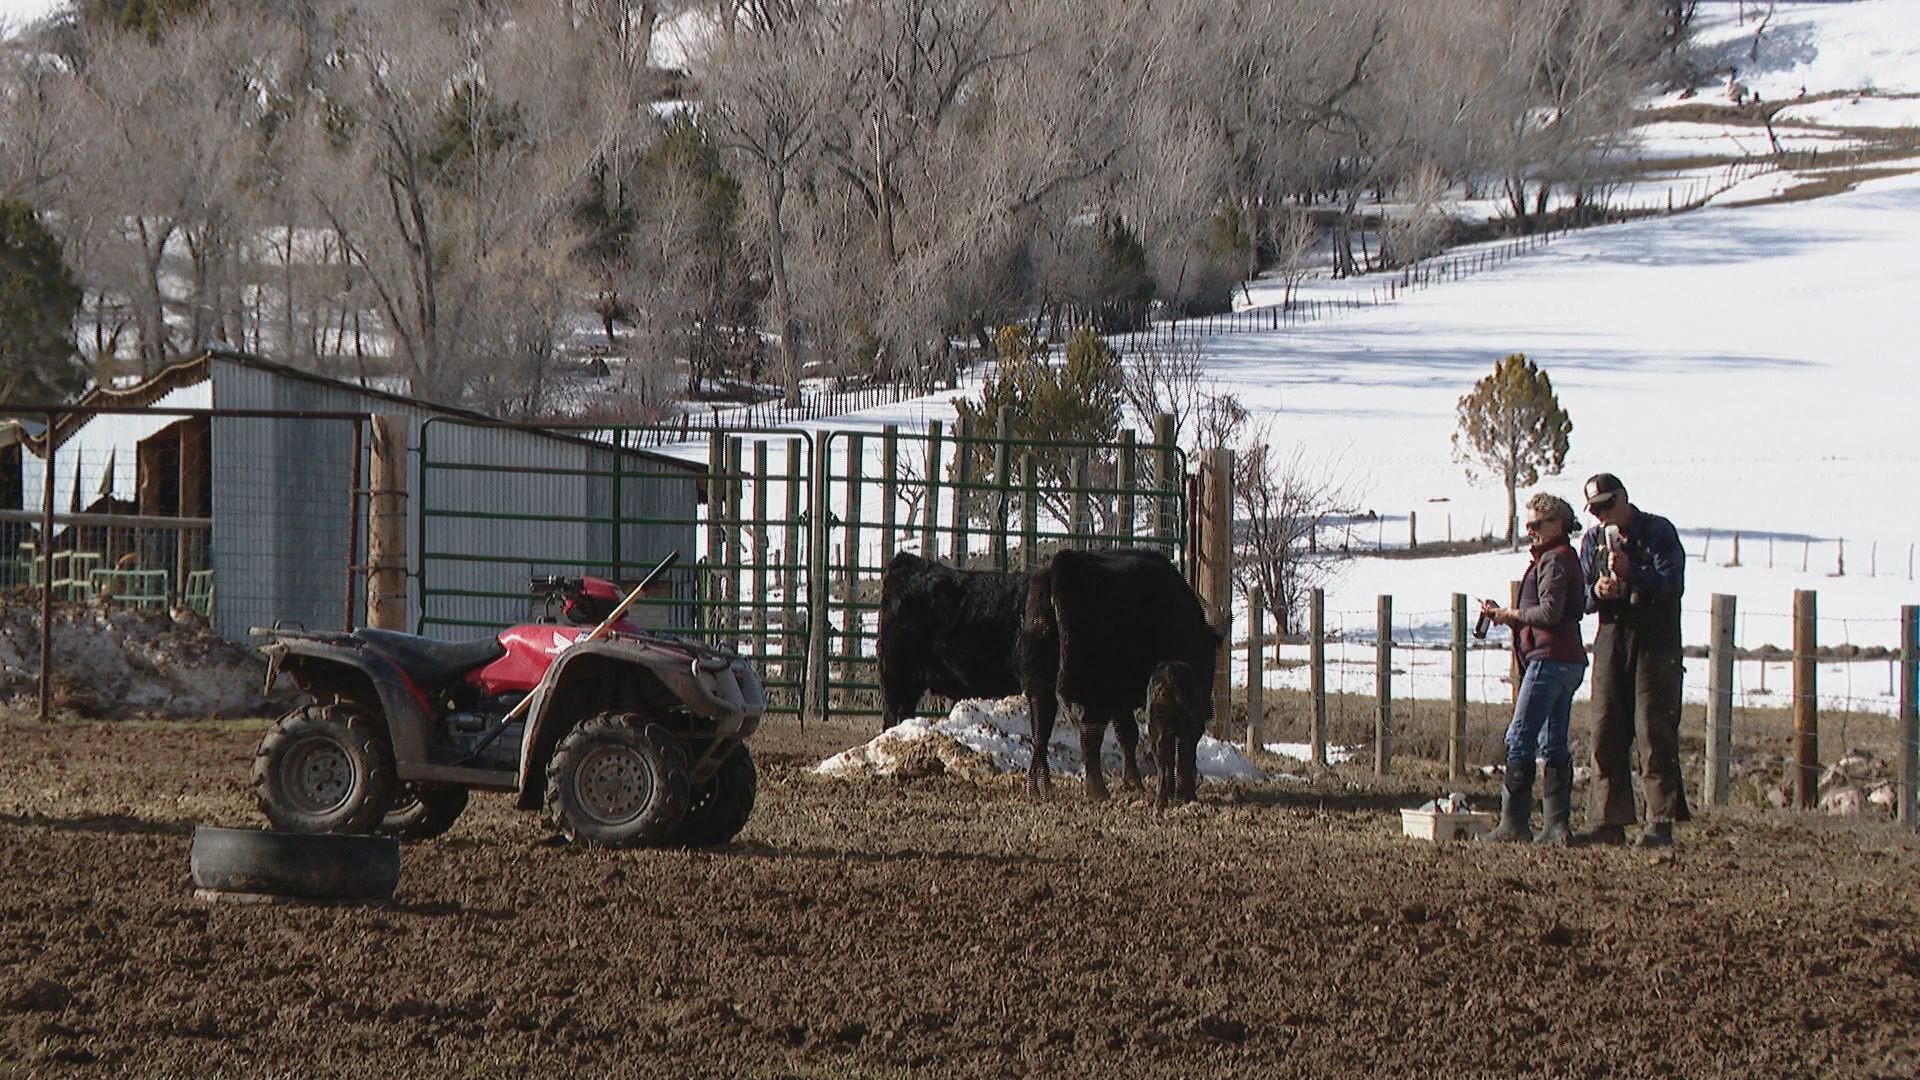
x: 1189, y: 771
x: 1041, y: 708
x: 1166, y: 752
x: 899, y: 700
x: 1093, y: 732
x: 1127, y: 730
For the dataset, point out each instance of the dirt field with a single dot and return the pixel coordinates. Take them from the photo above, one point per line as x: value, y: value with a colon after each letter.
x: 943, y: 927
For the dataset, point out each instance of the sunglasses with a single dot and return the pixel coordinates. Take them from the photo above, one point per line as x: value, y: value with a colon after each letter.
x: 1539, y: 523
x: 1600, y: 506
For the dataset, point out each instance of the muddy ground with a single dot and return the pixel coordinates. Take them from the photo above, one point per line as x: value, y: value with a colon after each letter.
x: 943, y: 927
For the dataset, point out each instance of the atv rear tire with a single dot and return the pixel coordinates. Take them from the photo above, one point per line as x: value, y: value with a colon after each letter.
x: 422, y: 813
x: 722, y: 805
x: 324, y: 769
x: 617, y: 781
x: 249, y: 861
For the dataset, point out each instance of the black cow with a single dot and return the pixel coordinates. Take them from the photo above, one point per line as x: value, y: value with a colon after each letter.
x: 950, y: 631
x: 1099, y: 626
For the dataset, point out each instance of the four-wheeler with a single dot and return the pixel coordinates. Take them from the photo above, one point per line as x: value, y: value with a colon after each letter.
x: 626, y: 736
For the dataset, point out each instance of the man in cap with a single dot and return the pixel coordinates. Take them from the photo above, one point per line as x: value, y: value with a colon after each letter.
x: 1635, y: 572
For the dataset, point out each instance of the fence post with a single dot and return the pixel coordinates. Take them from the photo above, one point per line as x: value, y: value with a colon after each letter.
x: 1413, y: 530
x: 1383, y: 688
x: 761, y: 555
x: 1720, y: 700
x: 1079, y: 517
x: 962, y: 487
x: 1166, y: 513
x: 1129, y: 479
x: 1216, y: 576
x: 735, y: 551
x: 889, y: 491
x: 817, y: 561
x: 1457, y: 732
x: 716, y: 529
x: 1029, y: 511
x: 1317, y: 673
x: 1516, y: 668
x: 1256, y: 668
x: 387, y: 524
x: 792, y: 646
x: 1002, y: 435
x: 1806, y: 700
x: 1910, y: 714
x: 850, y: 620
x: 930, y: 524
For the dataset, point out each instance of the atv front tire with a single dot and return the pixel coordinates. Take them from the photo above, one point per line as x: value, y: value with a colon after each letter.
x: 422, y: 813
x: 617, y: 781
x: 324, y: 769
x: 722, y: 805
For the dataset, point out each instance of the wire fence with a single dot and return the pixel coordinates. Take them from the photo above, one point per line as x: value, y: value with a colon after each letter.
x: 1842, y: 683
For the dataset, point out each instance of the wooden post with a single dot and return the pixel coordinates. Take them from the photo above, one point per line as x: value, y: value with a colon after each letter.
x: 1256, y: 668
x: 1910, y: 714
x: 387, y: 524
x: 1129, y: 479
x: 1720, y: 701
x: 1002, y: 485
x: 1166, y: 514
x: 1216, y: 576
x: 793, y: 641
x: 1806, y: 700
x: 1383, y: 688
x: 1029, y: 512
x: 889, y: 492
x: 1317, y: 673
x: 711, y: 591
x: 736, y: 541
x: 1079, y: 515
x: 930, y: 506
x: 850, y: 619
x: 1413, y: 530
x: 962, y: 487
x: 761, y: 556
x: 817, y: 698
x: 1517, y: 669
x: 1457, y: 733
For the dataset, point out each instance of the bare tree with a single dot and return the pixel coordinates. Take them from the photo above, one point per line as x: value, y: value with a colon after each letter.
x: 1281, y: 499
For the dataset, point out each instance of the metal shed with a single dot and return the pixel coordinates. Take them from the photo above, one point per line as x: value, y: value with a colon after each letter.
x: 284, y: 509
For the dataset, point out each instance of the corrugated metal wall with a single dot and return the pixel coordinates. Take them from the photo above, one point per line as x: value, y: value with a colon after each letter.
x: 281, y: 509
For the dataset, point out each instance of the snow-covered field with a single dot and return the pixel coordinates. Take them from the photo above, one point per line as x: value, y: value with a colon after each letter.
x: 1746, y: 369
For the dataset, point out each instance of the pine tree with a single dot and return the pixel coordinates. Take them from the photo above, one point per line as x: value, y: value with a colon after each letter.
x: 38, y: 303
x: 1512, y: 427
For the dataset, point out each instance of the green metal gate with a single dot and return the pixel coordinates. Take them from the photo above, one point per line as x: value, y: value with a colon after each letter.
x: 764, y: 546
x: 981, y: 501
x: 498, y: 505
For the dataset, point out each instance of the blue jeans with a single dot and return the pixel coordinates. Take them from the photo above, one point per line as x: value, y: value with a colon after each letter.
x: 1546, y: 701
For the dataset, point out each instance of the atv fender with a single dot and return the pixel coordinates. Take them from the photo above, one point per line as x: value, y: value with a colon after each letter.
x: 340, y: 668
x: 709, y: 690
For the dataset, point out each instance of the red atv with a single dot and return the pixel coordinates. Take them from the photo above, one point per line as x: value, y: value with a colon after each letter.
x: 626, y: 736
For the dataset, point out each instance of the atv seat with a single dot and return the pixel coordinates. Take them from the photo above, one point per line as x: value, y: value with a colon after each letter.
x: 429, y: 662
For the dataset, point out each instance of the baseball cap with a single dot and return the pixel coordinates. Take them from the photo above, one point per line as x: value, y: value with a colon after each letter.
x: 1601, y: 487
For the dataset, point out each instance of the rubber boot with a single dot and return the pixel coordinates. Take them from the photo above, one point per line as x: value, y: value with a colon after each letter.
x: 1556, y: 793
x: 1516, y: 806
x: 1656, y: 834
x: 1601, y: 836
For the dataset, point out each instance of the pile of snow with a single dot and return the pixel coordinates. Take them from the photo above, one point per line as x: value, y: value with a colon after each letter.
x: 981, y: 738
x: 121, y: 663
x: 1303, y: 752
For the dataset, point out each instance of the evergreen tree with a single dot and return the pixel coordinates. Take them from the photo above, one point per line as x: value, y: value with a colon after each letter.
x: 1512, y: 427
x: 38, y: 303
x: 1052, y: 409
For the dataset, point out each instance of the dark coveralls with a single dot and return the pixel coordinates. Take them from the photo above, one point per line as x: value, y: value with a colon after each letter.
x: 1637, y: 673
